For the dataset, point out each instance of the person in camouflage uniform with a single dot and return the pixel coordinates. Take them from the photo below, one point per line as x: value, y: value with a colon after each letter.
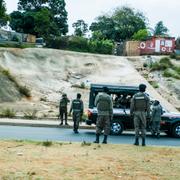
x: 77, y: 108
x: 63, y: 108
x: 140, y: 110
x: 156, y: 118
x: 104, y: 105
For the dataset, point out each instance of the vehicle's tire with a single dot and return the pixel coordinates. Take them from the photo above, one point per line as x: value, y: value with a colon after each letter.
x: 176, y: 130
x: 116, y: 128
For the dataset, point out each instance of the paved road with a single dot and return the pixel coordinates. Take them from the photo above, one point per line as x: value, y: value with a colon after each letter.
x: 63, y: 134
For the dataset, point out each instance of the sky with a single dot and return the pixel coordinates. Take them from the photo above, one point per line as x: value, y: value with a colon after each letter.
x: 88, y: 10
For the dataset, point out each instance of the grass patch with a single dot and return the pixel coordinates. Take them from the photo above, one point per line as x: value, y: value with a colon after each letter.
x: 9, y: 113
x: 154, y: 84
x: 30, y: 115
x: 84, y: 143
x: 111, y: 161
x: 22, y: 89
x: 47, y: 143
x: 171, y: 73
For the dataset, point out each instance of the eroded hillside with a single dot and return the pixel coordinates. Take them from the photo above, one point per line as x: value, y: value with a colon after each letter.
x: 49, y: 73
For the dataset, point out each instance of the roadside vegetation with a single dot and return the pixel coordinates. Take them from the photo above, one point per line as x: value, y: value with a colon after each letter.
x: 50, y: 160
x: 8, y: 113
x: 168, y: 69
x: 24, y: 90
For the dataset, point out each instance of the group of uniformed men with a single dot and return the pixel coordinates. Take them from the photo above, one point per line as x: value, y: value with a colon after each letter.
x: 139, y: 110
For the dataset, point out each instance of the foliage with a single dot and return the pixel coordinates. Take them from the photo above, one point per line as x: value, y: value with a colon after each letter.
x: 43, y: 18
x: 171, y: 73
x: 160, y: 29
x: 163, y: 64
x: 3, y: 16
x: 172, y: 56
x: 77, y: 43
x: 81, y: 44
x: 22, y: 89
x: 17, y: 45
x: 30, y: 115
x: 80, y: 28
x: 141, y: 35
x: 47, y: 143
x: 154, y: 84
x: 121, y: 25
x: 8, y: 113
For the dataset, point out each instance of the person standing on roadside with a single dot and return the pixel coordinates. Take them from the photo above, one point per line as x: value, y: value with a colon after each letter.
x: 77, y: 108
x: 140, y: 110
x: 104, y: 105
x: 156, y: 118
x: 63, y: 108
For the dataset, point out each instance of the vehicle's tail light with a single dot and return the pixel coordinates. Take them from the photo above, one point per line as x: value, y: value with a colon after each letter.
x: 162, y: 122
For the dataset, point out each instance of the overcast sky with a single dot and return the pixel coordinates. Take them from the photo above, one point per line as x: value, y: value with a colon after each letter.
x: 88, y: 10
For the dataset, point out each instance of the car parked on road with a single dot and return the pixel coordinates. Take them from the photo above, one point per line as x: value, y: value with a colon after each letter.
x: 122, y: 120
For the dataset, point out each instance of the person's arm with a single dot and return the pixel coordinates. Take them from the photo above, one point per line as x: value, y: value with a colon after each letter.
x: 82, y: 107
x: 70, y: 108
x: 148, y: 107
x: 96, y: 100
x: 132, y: 106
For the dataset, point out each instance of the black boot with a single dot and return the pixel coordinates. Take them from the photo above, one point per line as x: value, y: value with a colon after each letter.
x: 136, y: 143
x: 105, y: 139
x: 143, y: 142
x: 97, y: 139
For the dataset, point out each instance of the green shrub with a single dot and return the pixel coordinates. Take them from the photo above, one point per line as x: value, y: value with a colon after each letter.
x: 24, y: 91
x: 30, y: 115
x: 171, y: 73
x: 47, y: 143
x: 77, y: 43
x: 10, y: 113
x: 172, y: 56
x: 154, y: 84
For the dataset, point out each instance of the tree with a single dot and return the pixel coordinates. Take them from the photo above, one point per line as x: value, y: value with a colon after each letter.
x: 3, y: 16
x: 80, y: 27
x: 121, y: 25
x: 160, y: 29
x: 40, y: 17
x: 142, y: 34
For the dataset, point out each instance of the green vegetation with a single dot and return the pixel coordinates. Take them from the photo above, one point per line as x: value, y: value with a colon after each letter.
x: 160, y: 29
x: 80, y: 28
x: 165, y: 65
x: 84, y: 143
x: 3, y: 16
x: 154, y: 84
x: 41, y: 18
x: 22, y: 89
x: 17, y: 45
x: 47, y: 143
x: 30, y: 115
x: 141, y: 35
x: 9, y: 113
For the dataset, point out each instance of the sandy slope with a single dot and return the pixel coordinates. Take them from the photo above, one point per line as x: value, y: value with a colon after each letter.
x: 49, y: 73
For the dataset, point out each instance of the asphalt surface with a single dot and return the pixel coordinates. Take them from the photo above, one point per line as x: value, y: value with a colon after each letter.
x: 66, y: 134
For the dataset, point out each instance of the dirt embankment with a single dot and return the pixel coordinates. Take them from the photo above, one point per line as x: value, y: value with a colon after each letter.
x: 49, y: 73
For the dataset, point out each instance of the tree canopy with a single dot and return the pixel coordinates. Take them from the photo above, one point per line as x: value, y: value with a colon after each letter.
x: 120, y: 25
x: 80, y: 27
x: 3, y: 16
x: 160, y: 29
x: 40, y: 17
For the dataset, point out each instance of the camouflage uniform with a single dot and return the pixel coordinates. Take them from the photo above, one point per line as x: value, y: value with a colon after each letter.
x: 63, y: 108
x: 77, y: 107
x: 156, y: 118
x: 140, y: 109
x: 105, y: 111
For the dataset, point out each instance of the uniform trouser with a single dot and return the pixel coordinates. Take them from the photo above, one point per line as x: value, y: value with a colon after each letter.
x: 76, y: 119
x: 63, y: 114
x: 103, y: 123
x: 140, y: 123
x: 156, y: 126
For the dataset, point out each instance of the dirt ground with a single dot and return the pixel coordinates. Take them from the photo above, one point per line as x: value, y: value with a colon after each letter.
x: 48, y: 73
x: 32, y: 160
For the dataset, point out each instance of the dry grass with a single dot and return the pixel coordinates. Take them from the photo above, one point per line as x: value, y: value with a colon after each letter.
x: 30, y: 160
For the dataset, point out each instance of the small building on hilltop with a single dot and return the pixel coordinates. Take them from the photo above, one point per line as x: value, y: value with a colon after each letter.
x: 152, y: 46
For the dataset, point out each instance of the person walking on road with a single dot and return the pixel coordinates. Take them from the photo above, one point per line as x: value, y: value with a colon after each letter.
x: 156, y: 118
x: 77, y: 108
x: 63, y: 108
x: 104, y: 105
x: 140, y: 110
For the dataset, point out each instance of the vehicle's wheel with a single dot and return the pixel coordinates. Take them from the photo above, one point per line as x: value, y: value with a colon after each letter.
x: 176, y: 130
x: 116, y: 128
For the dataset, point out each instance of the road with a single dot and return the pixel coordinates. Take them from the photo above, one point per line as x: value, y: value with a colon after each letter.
x: 63, y: 134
